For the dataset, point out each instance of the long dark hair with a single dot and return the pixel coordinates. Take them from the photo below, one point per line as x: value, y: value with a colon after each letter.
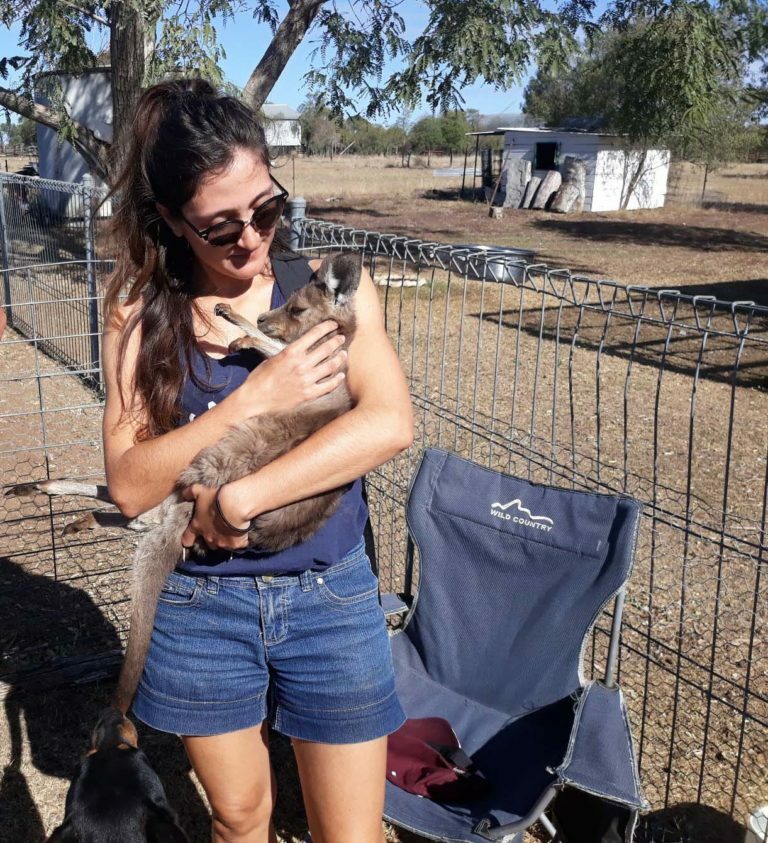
x: 182, y: 131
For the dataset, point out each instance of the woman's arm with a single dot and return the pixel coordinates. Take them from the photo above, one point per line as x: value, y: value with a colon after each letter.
x: 379, y: 427
x: 141, y: 474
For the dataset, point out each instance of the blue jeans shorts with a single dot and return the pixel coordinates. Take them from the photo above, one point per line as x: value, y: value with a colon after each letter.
x: 310, y: 652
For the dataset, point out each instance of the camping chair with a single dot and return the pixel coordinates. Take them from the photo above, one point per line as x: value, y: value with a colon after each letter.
x: 512, y: 578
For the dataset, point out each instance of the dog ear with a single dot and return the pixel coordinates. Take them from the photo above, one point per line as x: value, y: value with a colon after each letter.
x: 163, y: 828
x: 339, y: 275
x: 65, y: 833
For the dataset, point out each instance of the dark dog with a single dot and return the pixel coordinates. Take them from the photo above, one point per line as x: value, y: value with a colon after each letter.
x: 116, y: 797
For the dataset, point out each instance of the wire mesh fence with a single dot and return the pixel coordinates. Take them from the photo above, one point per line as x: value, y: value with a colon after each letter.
x: 525, y: 368
x: 595, y: 385
x: 47, y: 254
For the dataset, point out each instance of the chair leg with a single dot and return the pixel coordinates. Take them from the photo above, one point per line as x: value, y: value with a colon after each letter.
x: 550, y: 829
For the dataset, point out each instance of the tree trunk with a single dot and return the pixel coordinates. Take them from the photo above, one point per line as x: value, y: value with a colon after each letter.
x: 704, y: 185
x: 93, y: 149
x: 127, y: 58
x: 634, y: 179
x: 289, y: 35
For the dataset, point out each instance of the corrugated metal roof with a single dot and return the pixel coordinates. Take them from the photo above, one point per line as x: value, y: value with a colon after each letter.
x: 275, y: 111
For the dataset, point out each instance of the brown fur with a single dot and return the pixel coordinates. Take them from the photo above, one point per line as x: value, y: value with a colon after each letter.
x: 244, y: 450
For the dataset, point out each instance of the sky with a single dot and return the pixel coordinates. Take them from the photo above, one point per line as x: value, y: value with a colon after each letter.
x: 244, y: 42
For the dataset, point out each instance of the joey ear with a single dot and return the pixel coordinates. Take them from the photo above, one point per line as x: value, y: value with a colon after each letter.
x: 340, y: 276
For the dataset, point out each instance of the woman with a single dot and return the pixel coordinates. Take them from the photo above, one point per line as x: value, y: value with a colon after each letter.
x: 243, y: 637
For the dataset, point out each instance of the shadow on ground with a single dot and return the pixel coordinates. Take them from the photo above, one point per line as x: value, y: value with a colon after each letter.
x: 689, y: 823
x: 751, y: 289
x: 737, y: 207
x: 45, y: 623
x: 640, y: 233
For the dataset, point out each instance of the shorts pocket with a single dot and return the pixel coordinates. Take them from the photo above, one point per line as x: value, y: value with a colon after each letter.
x: 180, y: 590
x: 353, y: 587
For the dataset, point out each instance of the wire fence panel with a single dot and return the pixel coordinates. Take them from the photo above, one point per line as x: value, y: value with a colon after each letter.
x: 63, y: 596
x: 594, y: 385
x: 527, y: 369
x: 47, y: 250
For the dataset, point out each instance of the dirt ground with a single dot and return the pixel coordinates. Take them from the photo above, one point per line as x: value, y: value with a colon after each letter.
x: 493, y: 377
x: 701, y: 251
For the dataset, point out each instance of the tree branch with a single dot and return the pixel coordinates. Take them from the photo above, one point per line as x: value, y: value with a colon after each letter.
x: 287, y: 38
x: 92, y: 15
x: 93, y: 149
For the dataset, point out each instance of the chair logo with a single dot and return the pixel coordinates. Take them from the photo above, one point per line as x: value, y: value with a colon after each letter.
x: 537, y: 522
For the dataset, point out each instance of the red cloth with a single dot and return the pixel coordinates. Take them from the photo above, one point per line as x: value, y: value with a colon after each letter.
x: 424, y: 757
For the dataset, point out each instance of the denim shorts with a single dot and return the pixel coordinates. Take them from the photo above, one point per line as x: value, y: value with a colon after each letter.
x: 310, y: 652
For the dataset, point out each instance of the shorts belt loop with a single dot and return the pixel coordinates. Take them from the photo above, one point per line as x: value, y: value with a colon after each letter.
x: 307, y: 579
x: 211, y: 584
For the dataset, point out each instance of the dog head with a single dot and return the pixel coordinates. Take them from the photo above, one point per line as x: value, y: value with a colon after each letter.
x: 115, y: 794
x: 329, y: 295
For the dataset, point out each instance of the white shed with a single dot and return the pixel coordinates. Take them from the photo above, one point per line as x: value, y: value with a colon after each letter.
x: 281, y: 126
x: 88, y: 98
x: 609, y: 168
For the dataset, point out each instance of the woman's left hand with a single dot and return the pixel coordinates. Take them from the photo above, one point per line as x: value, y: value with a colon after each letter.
x: 205, y: 522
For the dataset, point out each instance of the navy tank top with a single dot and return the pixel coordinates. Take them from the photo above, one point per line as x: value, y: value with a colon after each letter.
x: 340, y: 533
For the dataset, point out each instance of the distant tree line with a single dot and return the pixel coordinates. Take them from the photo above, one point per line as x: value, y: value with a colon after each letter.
x: 324, y: 134
x: 22, y: 133
x: 704, y: 106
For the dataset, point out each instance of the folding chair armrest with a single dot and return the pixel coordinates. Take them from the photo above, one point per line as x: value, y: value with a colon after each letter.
x: 486, y: 829
x: 601, y: 758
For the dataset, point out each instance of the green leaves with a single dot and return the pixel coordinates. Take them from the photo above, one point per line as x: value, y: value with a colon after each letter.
x: 664, y: 74
x: 653, y: 68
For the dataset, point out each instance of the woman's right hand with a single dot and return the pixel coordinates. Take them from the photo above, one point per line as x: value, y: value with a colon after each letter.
x: 296, y: 375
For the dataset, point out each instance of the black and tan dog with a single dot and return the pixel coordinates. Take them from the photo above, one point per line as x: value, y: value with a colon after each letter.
x: 116, y: 797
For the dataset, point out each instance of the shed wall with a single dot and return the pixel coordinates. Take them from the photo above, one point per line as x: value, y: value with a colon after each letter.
x: 89, y: 101
x: 608, y: 167
x: 614, y: 169
x: 523, y: 144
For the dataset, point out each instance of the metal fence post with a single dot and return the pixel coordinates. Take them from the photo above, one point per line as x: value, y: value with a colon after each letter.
x: 88, y: 193
x: 4, y: 240
x: 297, y: 210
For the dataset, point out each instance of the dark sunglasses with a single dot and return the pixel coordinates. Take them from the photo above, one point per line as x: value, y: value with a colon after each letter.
x: 264, y: 218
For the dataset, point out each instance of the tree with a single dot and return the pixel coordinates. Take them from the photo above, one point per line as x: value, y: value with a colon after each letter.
x: 464, y: 40
x: 320, y: 133
x: 674, y: 78
x: 454, y: 126
x: 426, y: 136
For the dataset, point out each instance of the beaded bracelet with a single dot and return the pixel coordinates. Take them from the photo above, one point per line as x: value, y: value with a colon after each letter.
x: 241, y: 531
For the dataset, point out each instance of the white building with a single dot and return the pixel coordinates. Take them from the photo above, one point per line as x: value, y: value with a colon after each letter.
x: 281, y: 126
x: 88, y: 99
x: 609, y: 168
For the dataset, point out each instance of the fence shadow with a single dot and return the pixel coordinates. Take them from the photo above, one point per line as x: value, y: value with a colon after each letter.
x: 657, y: 234
x: 747, y: 289
x: 681, y: 352
x: 736, y: 207
x: 689, y: 821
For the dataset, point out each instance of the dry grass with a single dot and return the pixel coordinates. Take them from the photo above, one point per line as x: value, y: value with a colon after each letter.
x: 12, y: 163
x: 362, y: 175
x: 741, y: 183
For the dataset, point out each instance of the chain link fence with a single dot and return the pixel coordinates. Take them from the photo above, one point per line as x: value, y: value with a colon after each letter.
x: 532, y: 370
x: 47, y: 253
